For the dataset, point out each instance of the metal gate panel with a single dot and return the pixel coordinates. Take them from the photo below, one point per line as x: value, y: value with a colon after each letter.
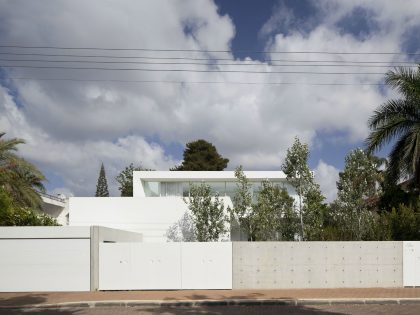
x: 139, y: 266
x: 206, y: 265
x: 411, y: 264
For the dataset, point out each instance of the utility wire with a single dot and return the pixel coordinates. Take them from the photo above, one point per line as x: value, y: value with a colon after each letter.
x: 189, y: 70
x: 194, y: 82
x: 206, y: 51
x: 199, y: 63
x: 414, y: 63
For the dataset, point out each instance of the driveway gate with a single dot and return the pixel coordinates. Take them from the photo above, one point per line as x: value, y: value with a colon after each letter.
x: 160, y: 266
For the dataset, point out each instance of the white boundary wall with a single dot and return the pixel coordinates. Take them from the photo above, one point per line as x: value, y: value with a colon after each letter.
x: 53, y: 258
x: 169, y: 266
x: 44, y: 259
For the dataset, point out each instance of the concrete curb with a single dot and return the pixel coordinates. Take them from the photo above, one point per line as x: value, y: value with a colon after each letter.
x: 225, y: 302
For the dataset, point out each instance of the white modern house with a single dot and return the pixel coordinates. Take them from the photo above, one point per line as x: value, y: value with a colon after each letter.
x: 56, y: 207
x: 158, y: 200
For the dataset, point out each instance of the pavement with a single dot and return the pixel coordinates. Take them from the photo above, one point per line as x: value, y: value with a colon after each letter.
x: 210, y: 297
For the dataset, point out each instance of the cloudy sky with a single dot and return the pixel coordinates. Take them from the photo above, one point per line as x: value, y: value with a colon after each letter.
x: 254, y: 74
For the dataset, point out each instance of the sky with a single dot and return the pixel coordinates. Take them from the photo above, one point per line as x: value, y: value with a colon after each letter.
x: 263, y: 73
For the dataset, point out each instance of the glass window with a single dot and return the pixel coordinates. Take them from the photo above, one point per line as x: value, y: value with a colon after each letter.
x: 185, y: 189
x: 231, y: 188
x: 217, y: 187
x: 173, y: 189
x: 152, y: 189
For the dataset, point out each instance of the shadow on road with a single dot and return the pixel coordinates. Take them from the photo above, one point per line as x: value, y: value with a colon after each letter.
x: 237, y: 310
x: 25, y: 302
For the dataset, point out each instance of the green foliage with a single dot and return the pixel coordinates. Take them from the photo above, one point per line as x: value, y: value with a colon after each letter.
x: 19, y: 178
x: 102, y: 185
x: 125, y: 179
x: 404, y: 222
x: 357, y: 194
x: 201, y: 155
x: 12, y: 215
x: 299, y: 175
x: 207, y: 213
x: 398, y: 121
x: 242, y: 203
x: 274, y: 217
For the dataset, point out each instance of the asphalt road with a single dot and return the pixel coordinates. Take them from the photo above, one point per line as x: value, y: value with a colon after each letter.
x: 413, y: 309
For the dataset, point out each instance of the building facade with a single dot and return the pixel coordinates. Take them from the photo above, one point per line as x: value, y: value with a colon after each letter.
x: 158, y: 200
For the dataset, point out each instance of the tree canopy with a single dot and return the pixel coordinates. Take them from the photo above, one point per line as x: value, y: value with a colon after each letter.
x: 125, y: 179
x: 398, y: 121
x: 299, y: 175
x: 201, y: 155
x: 102, y: 185
x: 20, y: 182
x: 18, y: 178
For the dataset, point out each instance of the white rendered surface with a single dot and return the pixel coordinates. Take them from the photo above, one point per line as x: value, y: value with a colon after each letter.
x: 150, y: 216
x: 139, y: 266
x: 42, y: 232
x: 206, y: 265
x: 165, y: 266
x: 411, y: 263
x: 44, y: 265
x: 168, y: 176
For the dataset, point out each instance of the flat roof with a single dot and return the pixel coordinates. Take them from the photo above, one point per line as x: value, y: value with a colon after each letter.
x: 206, y: 175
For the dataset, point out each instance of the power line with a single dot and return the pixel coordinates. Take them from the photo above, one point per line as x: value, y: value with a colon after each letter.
x: 195, y: 82
x: 414, y: 63
x: 206, y: 51
x: 190, y: 70
x: 199, y: 63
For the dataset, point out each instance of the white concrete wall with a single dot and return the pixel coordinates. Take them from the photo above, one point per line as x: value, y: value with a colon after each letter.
x: 154, y: 266
x: 269, y: 265
x: 150, y: 216
x: 44, y: 259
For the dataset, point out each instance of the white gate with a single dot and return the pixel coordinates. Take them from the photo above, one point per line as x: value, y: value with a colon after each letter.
x: 160, y: 266
x: 411, y: 264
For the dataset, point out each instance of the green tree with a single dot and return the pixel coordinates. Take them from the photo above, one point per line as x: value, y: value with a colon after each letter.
x: 241, y: 211
x: 201, y: 155
x: 358, y: 191
x: 102, y: 185
x: 125, y: 179
x: 399, y: 120
x: 404, y: 222
x: 207, y: 213
x: 274, y: 217
x: 14, y: 215
x: 299, y: 175
x: 19, y: 178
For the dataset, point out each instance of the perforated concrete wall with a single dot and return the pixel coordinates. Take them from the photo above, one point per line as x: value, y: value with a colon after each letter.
x: 268, y: 265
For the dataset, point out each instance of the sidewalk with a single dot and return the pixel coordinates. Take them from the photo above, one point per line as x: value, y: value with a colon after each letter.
x: 208, y: 297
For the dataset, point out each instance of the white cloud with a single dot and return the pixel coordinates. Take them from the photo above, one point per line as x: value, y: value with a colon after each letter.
x: 72, y: 126
x: 77, y: 163
x: 327, y: 176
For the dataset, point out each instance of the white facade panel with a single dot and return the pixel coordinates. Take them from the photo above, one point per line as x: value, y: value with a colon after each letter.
x: 411, y: 263
x: 152, y: 217
x: 44, y: 265
x: 206, y: 265
x: 139, y: 266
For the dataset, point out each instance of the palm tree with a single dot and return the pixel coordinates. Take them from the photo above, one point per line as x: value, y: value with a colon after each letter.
x: 399, y: 120
x: 19, y: 178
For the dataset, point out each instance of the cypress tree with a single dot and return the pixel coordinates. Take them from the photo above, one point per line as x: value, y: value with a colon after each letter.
x: 102, y: 185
